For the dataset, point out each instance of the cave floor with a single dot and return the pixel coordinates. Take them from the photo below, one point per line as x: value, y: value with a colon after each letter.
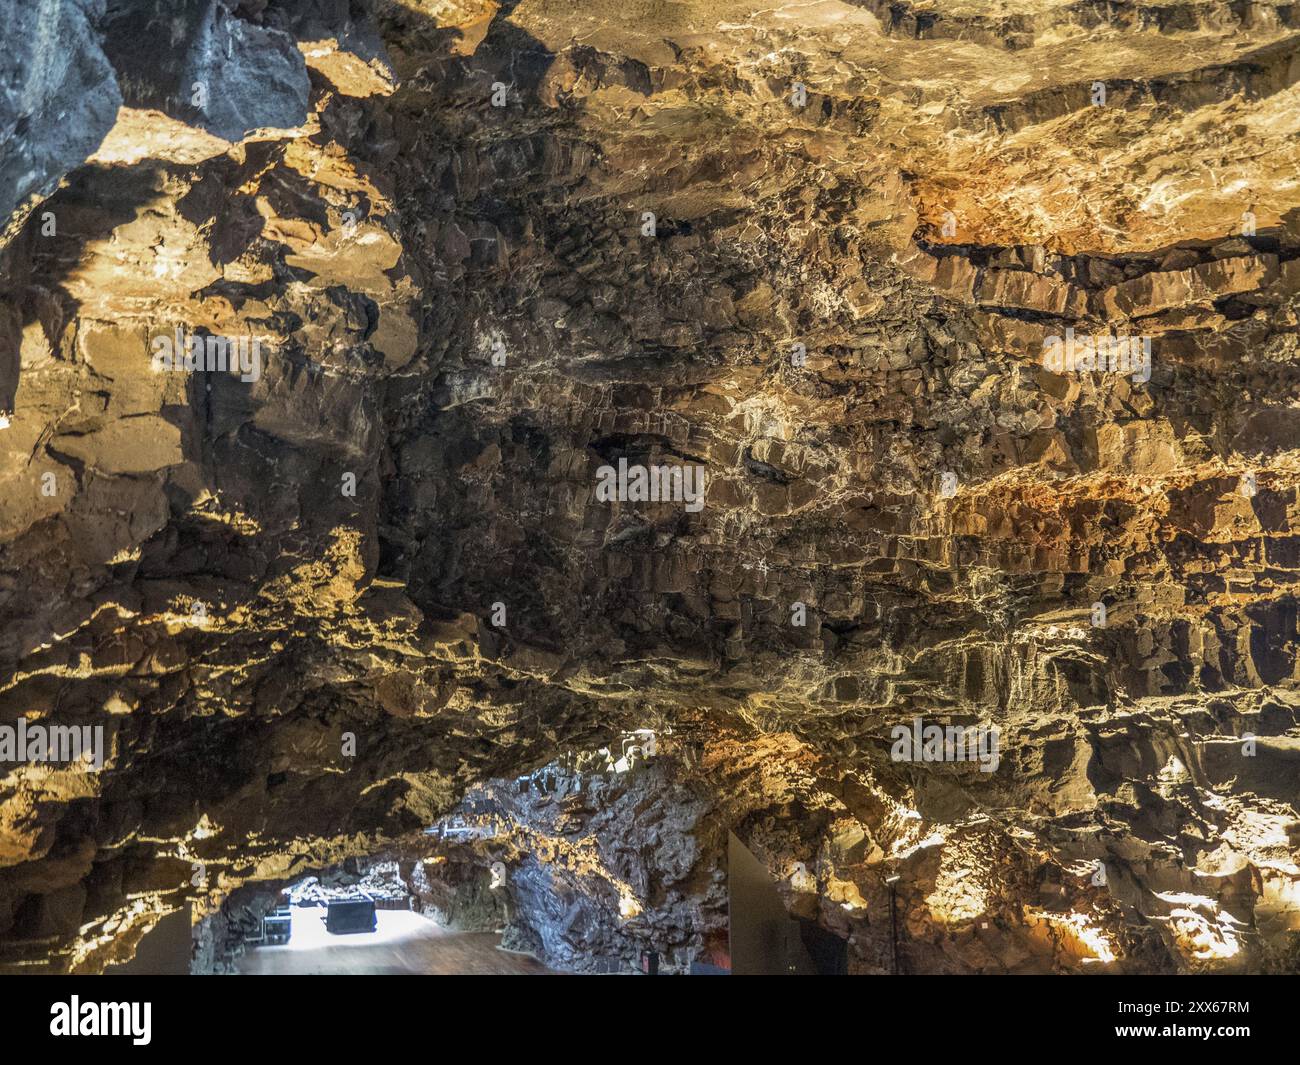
x: 403, y: 944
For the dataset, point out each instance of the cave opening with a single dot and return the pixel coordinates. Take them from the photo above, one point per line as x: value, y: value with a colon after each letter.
x: 363, y: 917
x: 600, y: 861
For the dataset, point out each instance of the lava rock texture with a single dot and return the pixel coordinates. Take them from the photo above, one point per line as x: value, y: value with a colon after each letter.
x: 487, y: 249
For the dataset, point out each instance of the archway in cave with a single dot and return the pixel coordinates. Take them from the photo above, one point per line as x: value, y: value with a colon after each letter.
x: 360, y: 918
x: 546, y: 871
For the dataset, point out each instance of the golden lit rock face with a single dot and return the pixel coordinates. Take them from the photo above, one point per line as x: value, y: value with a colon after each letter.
x: 463, y: 317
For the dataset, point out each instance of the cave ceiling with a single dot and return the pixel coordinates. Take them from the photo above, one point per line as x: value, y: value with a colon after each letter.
x: 470, y: 260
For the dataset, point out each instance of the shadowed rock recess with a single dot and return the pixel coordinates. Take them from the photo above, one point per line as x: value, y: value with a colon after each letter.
x: 369, y: 583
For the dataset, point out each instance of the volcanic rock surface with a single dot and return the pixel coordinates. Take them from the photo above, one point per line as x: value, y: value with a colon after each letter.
x: 319, y: 608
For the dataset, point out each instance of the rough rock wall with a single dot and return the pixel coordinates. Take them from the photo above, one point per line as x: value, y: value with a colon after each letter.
x: 279, y: 595
x: 599, y: 866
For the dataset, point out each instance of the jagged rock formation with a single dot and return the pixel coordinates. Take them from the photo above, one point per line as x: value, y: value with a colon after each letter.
x: 601, y: 865
x: 316, y: 605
